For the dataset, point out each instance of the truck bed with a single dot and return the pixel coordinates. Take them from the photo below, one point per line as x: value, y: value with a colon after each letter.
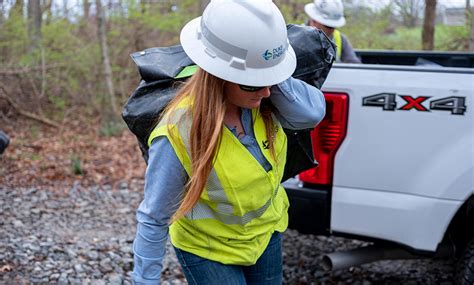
x: 412, y: 58
x: 406, y: 164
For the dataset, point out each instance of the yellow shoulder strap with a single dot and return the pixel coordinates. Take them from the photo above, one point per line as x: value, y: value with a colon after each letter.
x: 338, y: 40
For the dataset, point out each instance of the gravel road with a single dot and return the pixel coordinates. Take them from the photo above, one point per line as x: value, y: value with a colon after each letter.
x: 84, y: 236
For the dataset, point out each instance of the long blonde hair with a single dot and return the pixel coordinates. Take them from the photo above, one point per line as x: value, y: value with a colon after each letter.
x: 208, y: 109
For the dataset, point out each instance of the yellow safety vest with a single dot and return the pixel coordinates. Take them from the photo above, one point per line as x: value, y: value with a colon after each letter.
x: 338, y: 41
x: 242, y: 204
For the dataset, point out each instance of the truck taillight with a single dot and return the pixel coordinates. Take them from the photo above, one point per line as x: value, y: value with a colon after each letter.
x: 327, y: 137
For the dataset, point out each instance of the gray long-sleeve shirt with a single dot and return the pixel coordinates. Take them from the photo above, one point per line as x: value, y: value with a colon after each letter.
x: 298, y: 106
x: 348, y: 54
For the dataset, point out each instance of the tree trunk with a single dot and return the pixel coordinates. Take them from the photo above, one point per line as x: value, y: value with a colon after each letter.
x: 110, y: 105
x: 429, y: 25
x: 34, y: 24
x: 86, y: 5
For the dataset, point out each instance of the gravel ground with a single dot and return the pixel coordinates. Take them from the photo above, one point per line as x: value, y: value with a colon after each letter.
x: 84, y: 236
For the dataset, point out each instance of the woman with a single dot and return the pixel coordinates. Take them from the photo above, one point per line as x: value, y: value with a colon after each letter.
x: 217, y: 156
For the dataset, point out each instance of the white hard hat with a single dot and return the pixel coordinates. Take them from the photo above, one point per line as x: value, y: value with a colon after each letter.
x: 241, y: 41
x: 327, y: 12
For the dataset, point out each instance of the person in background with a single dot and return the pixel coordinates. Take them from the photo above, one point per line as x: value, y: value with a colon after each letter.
x: 4, y: 141
x: 327, y: 15
x: 217, y: 155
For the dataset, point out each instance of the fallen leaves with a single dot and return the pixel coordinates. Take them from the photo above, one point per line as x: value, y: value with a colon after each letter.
x: 76, y: 153
x: 6, y: 268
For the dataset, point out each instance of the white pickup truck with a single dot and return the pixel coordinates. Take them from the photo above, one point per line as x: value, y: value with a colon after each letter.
x: 396, y: 160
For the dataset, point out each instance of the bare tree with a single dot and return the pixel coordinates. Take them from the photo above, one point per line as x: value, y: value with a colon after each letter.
x: 111, y: 105
x: 34, y: 24
x: 409, y: 10
x: 427, y: 36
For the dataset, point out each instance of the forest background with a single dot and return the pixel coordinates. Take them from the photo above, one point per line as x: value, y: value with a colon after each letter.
x: 65, y: 73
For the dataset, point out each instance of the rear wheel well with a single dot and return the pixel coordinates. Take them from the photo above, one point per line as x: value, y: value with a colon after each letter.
x: 461, y: 229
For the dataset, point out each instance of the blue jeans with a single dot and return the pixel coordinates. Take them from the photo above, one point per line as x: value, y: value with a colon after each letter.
x: 267, y: 271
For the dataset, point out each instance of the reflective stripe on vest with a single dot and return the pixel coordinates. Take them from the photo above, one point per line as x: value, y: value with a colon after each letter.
x: 338, y: 40
x: 242, y: 204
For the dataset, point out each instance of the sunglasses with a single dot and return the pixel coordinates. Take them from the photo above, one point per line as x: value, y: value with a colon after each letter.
x: 250, y: 88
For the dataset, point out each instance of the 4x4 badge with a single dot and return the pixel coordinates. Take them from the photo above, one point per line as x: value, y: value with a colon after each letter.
x: 388, y: 102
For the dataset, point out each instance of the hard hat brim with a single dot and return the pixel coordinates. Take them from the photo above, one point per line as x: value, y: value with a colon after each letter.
x: 313, y: 13
x: 196, y: 50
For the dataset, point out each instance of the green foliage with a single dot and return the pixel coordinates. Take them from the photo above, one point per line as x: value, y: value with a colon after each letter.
x: 58, y: 102
x: 161, y: 17
x: 403, y: 39
x: 293, y: 11
x: 451, y: 38
x: 447, y: 38
x: 110, y: 128
x: 73, y: 75
x: 78, y: 55
x: 35, y: 157
x: 34, y: 131
x: 13, y: 39
x: 76, y: 165
x: 369, y: 29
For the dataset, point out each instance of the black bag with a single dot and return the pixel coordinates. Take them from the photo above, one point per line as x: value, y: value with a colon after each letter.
x: 158, y: 68
x: 4, y: 141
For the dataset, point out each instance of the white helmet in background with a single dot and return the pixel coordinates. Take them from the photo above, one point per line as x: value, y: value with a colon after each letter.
x: 241, y: 41
x: 330, y: 13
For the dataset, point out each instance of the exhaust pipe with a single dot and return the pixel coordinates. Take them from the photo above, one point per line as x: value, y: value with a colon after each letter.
x: 346, y: 259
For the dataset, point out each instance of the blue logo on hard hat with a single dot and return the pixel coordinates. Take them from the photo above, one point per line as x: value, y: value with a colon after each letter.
x: 267, y: 55
x: 274, y: 54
